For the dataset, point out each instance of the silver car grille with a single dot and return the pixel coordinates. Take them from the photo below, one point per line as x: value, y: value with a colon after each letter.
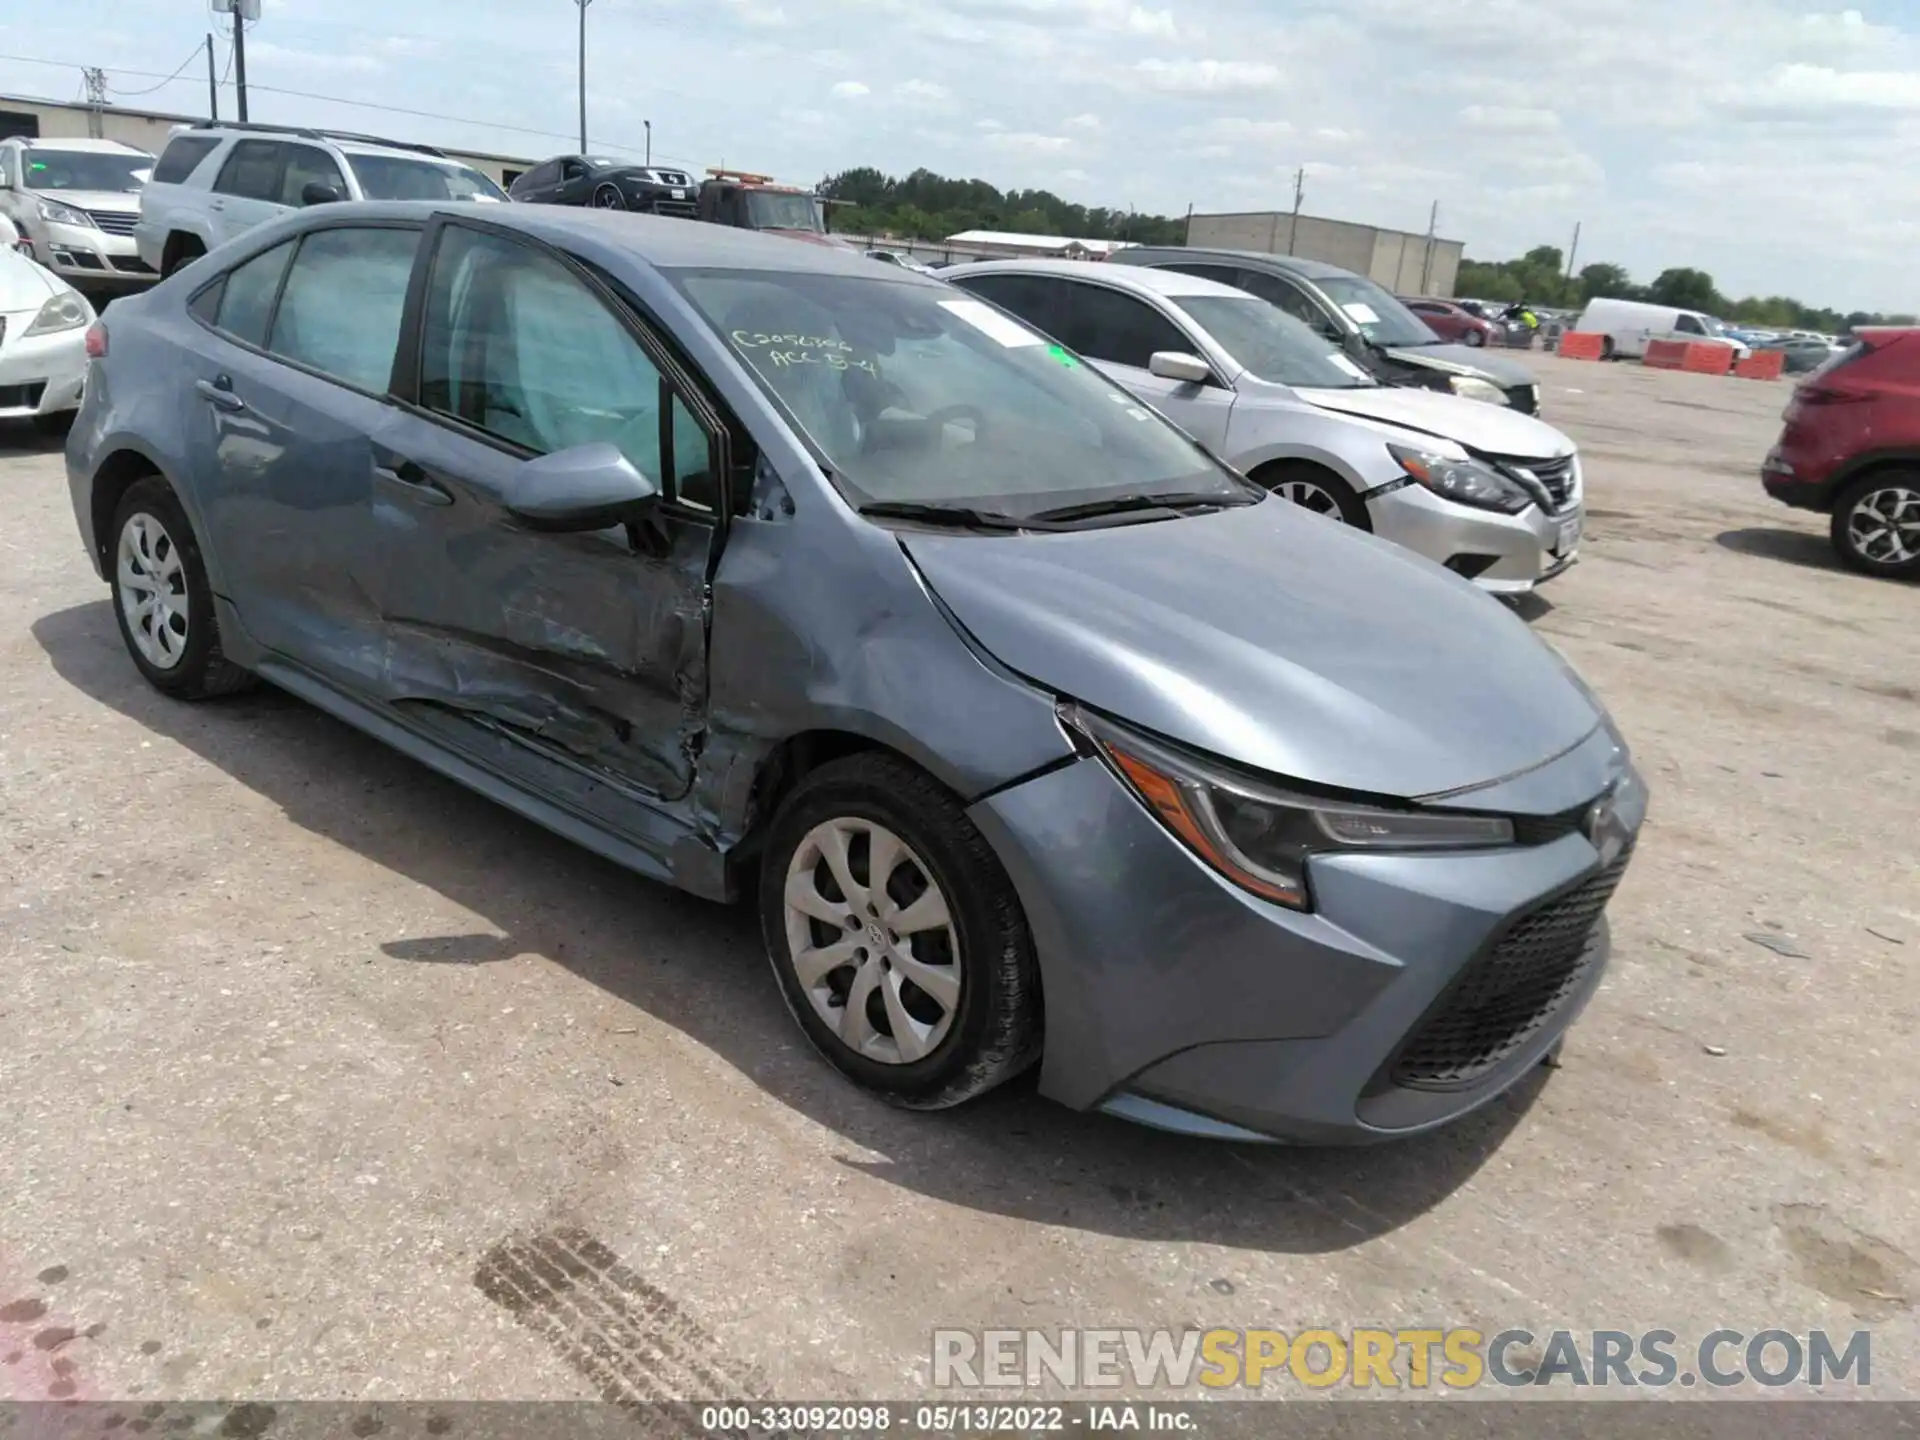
x: 1557, y: 479
x: 114, y: 222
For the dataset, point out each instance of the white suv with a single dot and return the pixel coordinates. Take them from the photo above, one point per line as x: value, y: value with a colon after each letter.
x: 217, y: 181
x: 74, y: 202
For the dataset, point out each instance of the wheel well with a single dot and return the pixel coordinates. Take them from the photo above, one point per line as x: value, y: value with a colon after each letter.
x: 1274, y: 471
x: 180, y: 247
x: 1880, y: 465
x: 117, y: 474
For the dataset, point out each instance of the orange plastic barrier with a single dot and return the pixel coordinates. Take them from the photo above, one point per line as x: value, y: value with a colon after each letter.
x: 1684, y: 355
x: 1762, y: 365
x: 1581, y: 345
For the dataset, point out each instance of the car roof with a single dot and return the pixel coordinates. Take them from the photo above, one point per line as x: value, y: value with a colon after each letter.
x: 59, y: 142
x: 1125, y: 277
x: 661, y: 242
x: 1296, y: 264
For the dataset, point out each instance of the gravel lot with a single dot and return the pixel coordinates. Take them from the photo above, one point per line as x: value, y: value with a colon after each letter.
x: 303, y: 1048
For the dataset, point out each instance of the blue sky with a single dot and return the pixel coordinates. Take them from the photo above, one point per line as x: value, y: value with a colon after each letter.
x: 1771, y: 143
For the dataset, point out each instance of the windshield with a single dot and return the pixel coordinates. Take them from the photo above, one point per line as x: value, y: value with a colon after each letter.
x: 1272, y: 344
x: 86, y: 170
x: 783, y: 210
x: 916, y: 393
x: 387, y: 177
x: 1381, y: 318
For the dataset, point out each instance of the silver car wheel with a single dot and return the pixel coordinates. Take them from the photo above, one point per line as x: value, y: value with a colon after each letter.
x: 1309, y: 496
x: 153, y: 591
x: 1884, y: 525
x: 878, y: 958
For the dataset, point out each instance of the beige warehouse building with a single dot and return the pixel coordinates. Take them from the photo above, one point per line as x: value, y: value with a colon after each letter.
x: 1404, y: 263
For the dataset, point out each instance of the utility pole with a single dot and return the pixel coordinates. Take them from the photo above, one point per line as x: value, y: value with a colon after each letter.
x: 1426, y: 265
x: 1186, y: 235
x: 96, y: 81
x: 1299, y: 193
x: 213, y: 82
x: 1573, y: 249
x: 649, y: 125
x: 583, y: 73
x: 242, y: 11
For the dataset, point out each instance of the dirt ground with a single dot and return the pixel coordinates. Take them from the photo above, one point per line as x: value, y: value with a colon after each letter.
x: 306, y: 1052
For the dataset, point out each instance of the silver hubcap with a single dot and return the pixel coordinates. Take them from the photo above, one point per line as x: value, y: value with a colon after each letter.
x: 153, y: 591
x: 607, y: 198
x: 1884, y: 525
x: 872, y: 941
x: 1309, y: 496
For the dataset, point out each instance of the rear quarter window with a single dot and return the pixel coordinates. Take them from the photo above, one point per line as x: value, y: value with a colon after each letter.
x: 182, y: 157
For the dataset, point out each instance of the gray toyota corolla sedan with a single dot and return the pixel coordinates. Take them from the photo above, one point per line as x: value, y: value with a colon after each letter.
x: 1034, y: 733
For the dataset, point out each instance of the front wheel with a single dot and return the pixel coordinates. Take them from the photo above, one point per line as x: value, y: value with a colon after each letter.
x: 608, y: 197
x: 1314, y: 488
x: 1876, y: 524
x: 896, y: 937
x: 1476, y: 338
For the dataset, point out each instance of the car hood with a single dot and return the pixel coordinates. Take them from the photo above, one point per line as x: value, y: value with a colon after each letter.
x: 24, y: 286
x: 118, y: 202
x: 1489, y: 429
x: 1464, y: 360
x: 1274, y: 638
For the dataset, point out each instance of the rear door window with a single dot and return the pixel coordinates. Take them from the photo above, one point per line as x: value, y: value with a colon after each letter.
x: 1031, y: 297
x: 252, y: 171
x: 182, y: 157
x: 246, y: 302
x: 352, y: 342
x: 1290, y: 298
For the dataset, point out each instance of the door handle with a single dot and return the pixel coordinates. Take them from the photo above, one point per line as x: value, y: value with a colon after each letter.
x: 413, y: 478
x: 219, y: 391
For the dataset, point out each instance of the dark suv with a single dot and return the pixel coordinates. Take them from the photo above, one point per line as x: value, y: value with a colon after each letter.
x: 1851, y: 449
x: 603, y: 184
x: 1351, y: 310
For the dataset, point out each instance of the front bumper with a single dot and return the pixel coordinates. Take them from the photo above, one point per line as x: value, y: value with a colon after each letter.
x: 1176, y: 999
x: 40, y: 374
x: 89, y: 258
x: 1505, y: 554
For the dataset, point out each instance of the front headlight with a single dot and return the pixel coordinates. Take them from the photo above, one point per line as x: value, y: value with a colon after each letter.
x: 1466, y: 482
x: 1472, y: 387
x: 1257, y: 835
x: 65, y: 214
x: 66, y: 311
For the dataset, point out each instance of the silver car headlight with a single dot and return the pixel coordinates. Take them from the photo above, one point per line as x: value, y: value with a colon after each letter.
x: 1472, y: 387
x: 1260, y: 836
x: 1465, y: 482
x: 63, y: 312
x: 65, y: 215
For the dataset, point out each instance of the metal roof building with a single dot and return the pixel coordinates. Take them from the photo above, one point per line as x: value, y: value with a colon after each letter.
x: 1403, y: 262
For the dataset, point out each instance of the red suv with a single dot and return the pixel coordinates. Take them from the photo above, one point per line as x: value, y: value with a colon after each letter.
x: 1851, y: 450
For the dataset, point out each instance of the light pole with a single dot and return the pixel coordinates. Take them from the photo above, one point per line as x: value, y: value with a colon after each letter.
x: 649, y: 125
x: 583, y: 72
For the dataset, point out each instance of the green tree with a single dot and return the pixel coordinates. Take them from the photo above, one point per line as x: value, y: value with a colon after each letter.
x: 1686, y: 288
x: 1604, y: 281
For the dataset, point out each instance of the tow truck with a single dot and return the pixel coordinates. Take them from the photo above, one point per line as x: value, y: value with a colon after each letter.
x: 759, y: 202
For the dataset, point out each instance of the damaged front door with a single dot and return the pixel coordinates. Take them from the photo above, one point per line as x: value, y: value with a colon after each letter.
x: 577, y: 660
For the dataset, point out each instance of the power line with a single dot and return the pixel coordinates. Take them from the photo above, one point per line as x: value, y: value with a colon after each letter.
x: 198, y: 51
x: 361, y: 104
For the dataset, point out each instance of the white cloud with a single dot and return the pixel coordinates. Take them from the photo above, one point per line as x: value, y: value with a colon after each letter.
x: 926, y: 94
x: 1089, y: 123
x: 1206, y: 77
x: 850, y: 90
x: 988, y: 125
x: 296, y: 59
x: 1509, y: 119
x: 758, y: 15
x: 1026, y: 142
x: 1232, y: 130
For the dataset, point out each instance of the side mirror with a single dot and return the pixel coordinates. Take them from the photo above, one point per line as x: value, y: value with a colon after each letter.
x: 318, y: 192
x: 1178, y: 365
x: 587, y: 487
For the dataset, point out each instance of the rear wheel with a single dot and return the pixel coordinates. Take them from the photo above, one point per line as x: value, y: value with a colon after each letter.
x: 162, y: 599
x: 1606, y: 347
x: 896, y: 936
x: 1876, y: 524
x: 1315, y: 488
x: 608, y: 197
x: 1475, y: 338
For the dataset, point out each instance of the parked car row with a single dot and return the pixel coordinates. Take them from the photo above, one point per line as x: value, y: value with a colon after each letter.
x: 1038, y: 734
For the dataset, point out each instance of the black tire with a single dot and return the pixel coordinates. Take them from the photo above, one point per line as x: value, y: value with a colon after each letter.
x: 181, y: 252
x: 1606, y: 348
x: 1841, y: 530
x: 1348, y: 507
x: 608, y: 197
x: 1475, y: 338
x: 995, y: 1030
x: 203, y: 671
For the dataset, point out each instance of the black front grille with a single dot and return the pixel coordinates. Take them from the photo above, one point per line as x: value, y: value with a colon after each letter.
x: 1513, y: 988
x: 1554, y: 478
x: 113, y: 221
x: 677, y: 209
